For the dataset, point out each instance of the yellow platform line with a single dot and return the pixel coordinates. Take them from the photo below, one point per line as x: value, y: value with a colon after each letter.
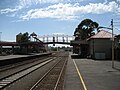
x: 80, y: 76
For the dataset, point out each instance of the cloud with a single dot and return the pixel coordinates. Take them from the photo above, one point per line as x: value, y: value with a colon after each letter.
x: 99, y: 8
x: 26, y: 3
x: 29, y: 2
x: 7, y: 10
x: 10, y: 10
x: 60, y: 11
x: 69, y: 11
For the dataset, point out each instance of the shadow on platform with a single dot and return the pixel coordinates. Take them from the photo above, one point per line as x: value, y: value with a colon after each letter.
x: 116, y: 68
x: 77, y: 57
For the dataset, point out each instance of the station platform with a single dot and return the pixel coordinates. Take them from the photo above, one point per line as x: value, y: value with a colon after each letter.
x: 72, y: 81
x: 88, y: 74
x: 10, y: 59
x: 12, y: 56
x: 19, y: 56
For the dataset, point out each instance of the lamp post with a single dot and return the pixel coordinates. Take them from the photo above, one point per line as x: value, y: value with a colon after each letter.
x: 112, y: 41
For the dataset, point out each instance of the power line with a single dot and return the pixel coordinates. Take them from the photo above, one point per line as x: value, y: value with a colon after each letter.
x: 117, y: 22
x: 117, y: 29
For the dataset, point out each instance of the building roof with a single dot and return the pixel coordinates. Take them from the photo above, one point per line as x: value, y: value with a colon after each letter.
x: 117, y: 35
x: 102, y: 35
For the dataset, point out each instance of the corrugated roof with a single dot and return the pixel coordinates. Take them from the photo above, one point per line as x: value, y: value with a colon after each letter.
x: 102, y: 34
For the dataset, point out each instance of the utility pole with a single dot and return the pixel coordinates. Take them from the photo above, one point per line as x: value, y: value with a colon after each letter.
x: 112, y: 44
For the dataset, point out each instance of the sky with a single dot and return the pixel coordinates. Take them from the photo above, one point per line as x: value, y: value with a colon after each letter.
x: 46, y: 17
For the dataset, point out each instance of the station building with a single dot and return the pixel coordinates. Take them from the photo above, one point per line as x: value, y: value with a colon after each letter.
x: 100, y: 45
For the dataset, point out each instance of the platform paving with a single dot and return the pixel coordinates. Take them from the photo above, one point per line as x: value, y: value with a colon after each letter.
x: 12, y: 56
x: 97, y: 75
x: 19, y: 56
x: 11, y: 59
x: 72, y: 81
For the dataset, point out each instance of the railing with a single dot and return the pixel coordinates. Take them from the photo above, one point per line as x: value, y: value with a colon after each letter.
x: 56, y: 38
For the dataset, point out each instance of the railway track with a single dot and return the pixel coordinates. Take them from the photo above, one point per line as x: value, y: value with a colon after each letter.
x: 6, y: 81
x: 47, y: 75
x: 54, y: 78
x: 7, y: 67
x: 21, y: 66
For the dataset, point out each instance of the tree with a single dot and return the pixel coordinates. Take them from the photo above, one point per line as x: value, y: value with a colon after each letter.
x: 83, y: 31
x: 86, y: 28
x: 25, y: 37
x: 22, y: 37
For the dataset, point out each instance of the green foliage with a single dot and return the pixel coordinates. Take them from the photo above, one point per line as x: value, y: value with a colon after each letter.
x: 25, y: 37
x: 22, y: 37
x: 86, y: 28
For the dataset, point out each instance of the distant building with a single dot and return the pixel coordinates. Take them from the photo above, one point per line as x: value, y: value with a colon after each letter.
x: 100, y: 45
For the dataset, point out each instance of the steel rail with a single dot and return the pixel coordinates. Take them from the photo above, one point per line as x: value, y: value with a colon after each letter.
x: 45, y: 75
x: 34, y: 86
x: 12, y: 78
x: 23, y: 69
x: 10, y: 66
x: 55, y: 88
